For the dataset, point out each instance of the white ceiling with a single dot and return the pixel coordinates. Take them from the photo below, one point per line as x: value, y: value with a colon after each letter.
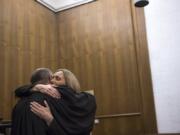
x: 59, y: 5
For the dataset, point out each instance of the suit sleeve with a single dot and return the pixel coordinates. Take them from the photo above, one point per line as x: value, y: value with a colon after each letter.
x: 24, y: 91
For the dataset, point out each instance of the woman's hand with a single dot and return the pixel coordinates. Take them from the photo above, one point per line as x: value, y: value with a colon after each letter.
x: 43, y: 112
x: 47, y: 89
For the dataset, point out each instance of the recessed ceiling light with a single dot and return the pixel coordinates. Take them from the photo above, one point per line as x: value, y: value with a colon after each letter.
x: 59, y: 5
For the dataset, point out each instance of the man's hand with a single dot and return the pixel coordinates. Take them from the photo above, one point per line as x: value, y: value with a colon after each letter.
x: 47, y: 89
x: 43, y: 112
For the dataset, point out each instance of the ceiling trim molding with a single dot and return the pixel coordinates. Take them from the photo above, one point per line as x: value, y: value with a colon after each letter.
x: 65, y: 7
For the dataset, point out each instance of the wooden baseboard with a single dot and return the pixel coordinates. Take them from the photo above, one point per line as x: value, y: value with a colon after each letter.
x: 170, y: 134
x: 165, y: 134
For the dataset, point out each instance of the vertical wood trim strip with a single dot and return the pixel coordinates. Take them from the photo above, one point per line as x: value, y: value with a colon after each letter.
x: 149, y: 116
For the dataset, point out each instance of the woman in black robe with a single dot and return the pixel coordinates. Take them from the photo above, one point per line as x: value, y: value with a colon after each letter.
x: 74, y: 113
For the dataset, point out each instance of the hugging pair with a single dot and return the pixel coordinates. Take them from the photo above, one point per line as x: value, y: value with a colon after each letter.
x: 53, y: 105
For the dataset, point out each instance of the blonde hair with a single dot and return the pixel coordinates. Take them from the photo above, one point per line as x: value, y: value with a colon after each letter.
x: 70, y: 79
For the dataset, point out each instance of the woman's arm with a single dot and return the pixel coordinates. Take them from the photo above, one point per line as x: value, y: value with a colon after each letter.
x: 27, y: 90
x: 54, y: 129
x: 44, y: 113
x: 47, y: 89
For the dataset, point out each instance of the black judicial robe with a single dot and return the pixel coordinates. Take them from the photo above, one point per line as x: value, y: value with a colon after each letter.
x: 24, y: 122
x: 73, y: 114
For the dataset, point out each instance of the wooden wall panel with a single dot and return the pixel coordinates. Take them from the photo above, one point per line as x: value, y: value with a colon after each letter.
x: 103, y: 43
x: 144, y: 71
x: 98, y: 42
x: 103, y: 40
x: 119, y: 126
x: 28, y: 40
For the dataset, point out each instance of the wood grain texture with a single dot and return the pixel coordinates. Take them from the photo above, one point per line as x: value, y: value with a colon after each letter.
x: 98, y: 42
x: 144, y: 71
x: 103, y: 43
x: 119, y: 126
x: 28, y: 40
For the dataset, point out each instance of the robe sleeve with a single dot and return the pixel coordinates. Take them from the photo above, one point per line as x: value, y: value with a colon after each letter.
x: 54, y: 129
x: 24, y: 91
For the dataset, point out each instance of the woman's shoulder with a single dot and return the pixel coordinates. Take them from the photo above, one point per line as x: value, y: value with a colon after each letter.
x: 65, y: 89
